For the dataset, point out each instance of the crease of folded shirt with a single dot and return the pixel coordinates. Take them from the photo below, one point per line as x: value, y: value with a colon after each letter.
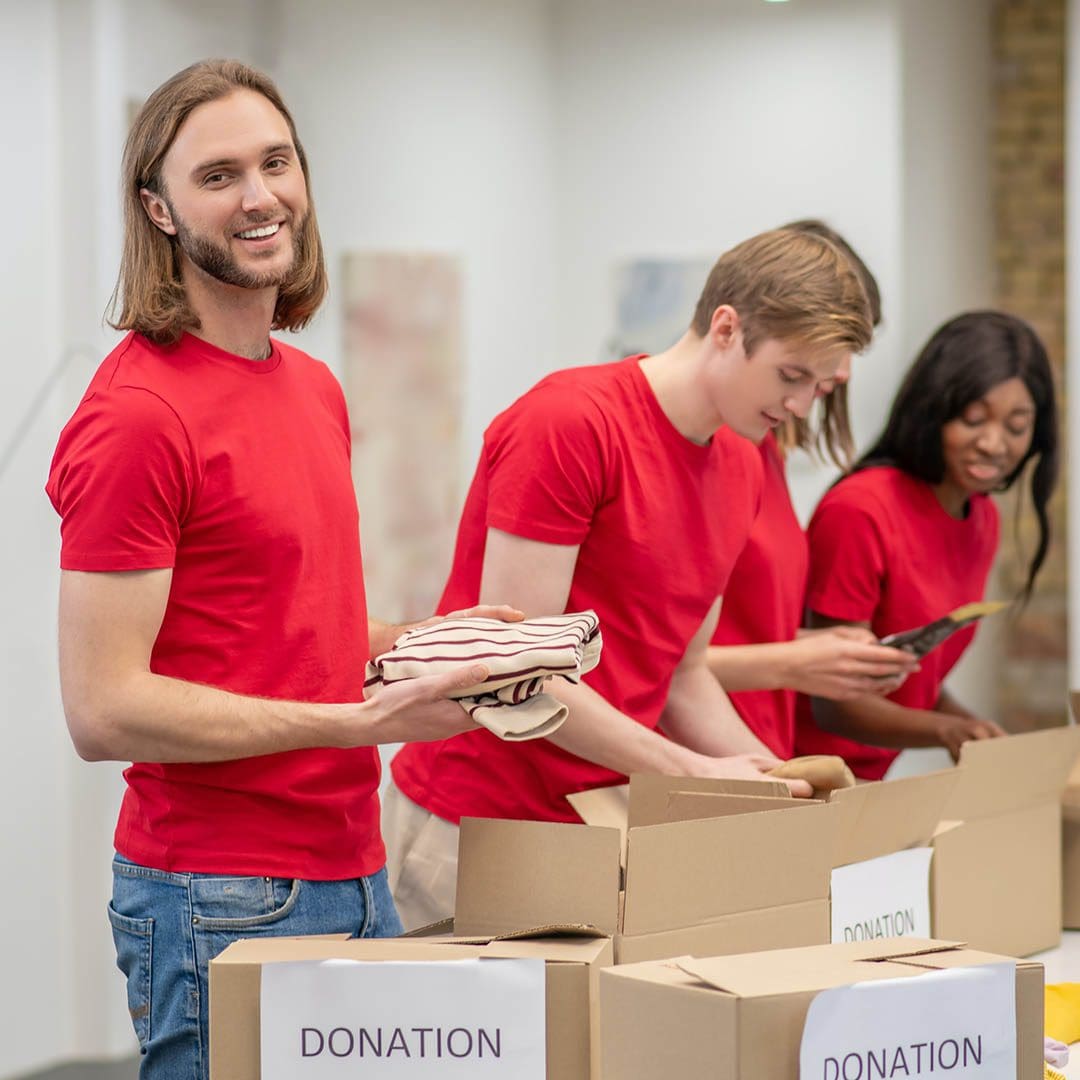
x: 520, y: 657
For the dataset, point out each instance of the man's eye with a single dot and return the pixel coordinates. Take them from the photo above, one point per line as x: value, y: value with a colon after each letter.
x: 277, y: 163
x: 214, y: 178
x: 787, y: 377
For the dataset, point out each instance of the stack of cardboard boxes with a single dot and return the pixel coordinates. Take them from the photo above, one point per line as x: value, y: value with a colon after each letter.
x: 668, y: 877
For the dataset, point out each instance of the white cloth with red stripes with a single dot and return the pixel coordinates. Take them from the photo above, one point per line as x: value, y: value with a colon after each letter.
x: 519, y: 656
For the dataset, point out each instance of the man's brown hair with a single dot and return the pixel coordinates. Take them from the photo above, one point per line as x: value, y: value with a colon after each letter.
x: 792, y: 286
x: 149, y: 290
x: 827, y: 431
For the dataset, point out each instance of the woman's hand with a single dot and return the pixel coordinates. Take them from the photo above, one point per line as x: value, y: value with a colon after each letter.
x: 843, y: 662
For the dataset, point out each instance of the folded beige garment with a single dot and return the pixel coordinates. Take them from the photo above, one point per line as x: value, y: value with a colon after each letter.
x: 519, y: 656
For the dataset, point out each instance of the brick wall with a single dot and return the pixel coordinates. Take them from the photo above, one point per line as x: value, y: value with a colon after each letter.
x: 1029, y: 214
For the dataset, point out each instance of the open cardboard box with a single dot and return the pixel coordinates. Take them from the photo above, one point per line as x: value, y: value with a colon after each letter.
x: 1070, y: 838
x: 718, y: 884
x: 996, y: 879
x: 572, y: 963
x: 742, y: 1017
x: 876, y: 823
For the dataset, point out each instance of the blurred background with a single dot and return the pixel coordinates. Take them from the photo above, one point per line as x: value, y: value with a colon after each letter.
x: 548, y: 180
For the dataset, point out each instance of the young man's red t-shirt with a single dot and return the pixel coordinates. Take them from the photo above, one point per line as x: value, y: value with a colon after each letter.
x: 235, y: 474
x: 763, y: 601
x: 588, y: 457
x: 884, y: 551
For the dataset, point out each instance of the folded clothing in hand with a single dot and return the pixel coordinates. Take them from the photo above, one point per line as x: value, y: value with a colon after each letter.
x: 519, y: 657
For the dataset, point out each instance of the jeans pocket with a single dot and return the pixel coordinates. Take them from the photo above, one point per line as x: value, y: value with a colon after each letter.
x: 134, y: 940
x: 234, y: 905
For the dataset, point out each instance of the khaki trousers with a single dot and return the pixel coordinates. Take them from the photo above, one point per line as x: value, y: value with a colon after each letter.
x: 421, y: 860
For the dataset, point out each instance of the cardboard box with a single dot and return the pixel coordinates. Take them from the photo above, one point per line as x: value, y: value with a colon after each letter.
x: 745, y: 880
x: 996, y: 880
x: 877, y: 823
x: 1070, y: 853
x: 572, y: 964
x: 1070, y: 839
x: 743, y: 1017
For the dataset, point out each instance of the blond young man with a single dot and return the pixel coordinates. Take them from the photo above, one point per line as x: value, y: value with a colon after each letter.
x: 213, y: 627
x: 629, y: 488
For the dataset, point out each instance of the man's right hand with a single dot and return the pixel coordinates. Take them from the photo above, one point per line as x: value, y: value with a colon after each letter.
x: 419, y: 710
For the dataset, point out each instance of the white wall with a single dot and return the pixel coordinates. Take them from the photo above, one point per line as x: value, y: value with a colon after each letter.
x: 33, y: 768
x: 428, y: 126
x: 538, y: 140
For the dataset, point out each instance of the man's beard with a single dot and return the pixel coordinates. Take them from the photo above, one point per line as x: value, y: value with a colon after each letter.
x: 215, y: 259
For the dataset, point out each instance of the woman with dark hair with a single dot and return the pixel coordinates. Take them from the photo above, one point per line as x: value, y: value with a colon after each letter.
x: 759, y: 652
x: 911, y: 532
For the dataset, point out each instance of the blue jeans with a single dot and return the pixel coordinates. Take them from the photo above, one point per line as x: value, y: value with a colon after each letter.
x: 167, y: 927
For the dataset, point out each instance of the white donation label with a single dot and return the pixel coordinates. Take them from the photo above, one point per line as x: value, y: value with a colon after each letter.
x: 394, y: 1020
x: 883, y: 898
x: 951, y: 1025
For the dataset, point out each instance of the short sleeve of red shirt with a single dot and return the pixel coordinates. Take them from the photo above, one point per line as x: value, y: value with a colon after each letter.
x: 545, y: 466
x: 848, y: 560
x: 121, y: 481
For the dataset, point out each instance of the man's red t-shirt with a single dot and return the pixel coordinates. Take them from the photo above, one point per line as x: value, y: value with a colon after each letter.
x: 588, y: 457
x: 883, y: 550
x: 235, y: 474
x: 763, y: 601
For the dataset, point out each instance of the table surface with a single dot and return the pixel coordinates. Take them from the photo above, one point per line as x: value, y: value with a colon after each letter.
x: 1063, y: 965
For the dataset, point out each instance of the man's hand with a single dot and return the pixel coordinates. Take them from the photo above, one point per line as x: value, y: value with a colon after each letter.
x: 418, y: 710
x: 954, y: 731
x: 750, y: 767
x: 844, y: 662
x: 381, y: 635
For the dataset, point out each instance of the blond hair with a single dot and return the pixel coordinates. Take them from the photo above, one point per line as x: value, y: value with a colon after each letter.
x: 792, y: 286
x: 826, y: 433
x: 149, y: 289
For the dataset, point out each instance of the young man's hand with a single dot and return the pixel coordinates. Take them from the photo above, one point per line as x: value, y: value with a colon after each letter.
x: 419, y: 710
x: 381, y: 635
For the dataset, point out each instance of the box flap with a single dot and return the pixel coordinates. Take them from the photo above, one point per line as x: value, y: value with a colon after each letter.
x: 553, y: 930
x: 275, y: 950
x: 514, y: 874
x: 1006, y: 774
x: 434, y: 929
x: 817, y: 967
x: 693, y: 805
x: 689, y: 873
x: 649, y: 793
x: 890, y: 815
x: 606, y: 806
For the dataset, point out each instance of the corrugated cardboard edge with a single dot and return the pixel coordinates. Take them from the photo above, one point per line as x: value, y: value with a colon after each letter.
x: 1002, y: 775
x: 894, y: 950
x: 443, y: 933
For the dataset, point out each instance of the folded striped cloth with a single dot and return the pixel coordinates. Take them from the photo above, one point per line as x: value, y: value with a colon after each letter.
x: 519, y: 657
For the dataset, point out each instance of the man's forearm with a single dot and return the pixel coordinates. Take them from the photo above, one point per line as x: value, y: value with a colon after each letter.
x: 150, y: 717
x: 700, y: 716
x: 600, y: 733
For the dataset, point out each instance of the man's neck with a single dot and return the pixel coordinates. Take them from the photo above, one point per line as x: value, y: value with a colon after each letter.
x: 231, y: 318
x: 676, y: 377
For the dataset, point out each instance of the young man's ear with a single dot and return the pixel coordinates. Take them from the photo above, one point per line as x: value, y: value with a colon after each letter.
x: 725, y: 327
x: 157, y: 210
